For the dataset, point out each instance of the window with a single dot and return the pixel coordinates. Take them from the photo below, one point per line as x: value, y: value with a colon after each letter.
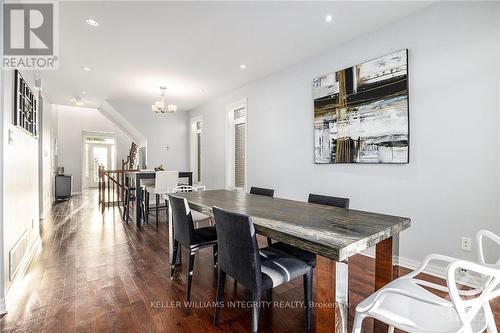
x: 236, y: 162
x: 196, y: 148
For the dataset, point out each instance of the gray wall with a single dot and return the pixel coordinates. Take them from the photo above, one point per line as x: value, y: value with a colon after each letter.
x: 72, y: 122
x: 160, y: 131
x: 450, y: 188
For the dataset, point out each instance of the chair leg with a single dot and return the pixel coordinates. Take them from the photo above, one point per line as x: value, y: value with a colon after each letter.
x: 174, y: 259
x: 157, y: 207
x: 256, y: 297
x: 490, y: 319
x: 215, y: 249
x: 146, y: 205
x: 308, y: 291
x: 269, y: 241
x: 235, y: 284
x: 190, y: 275
x: 218, y: 296
x: 391, y: 329
x: 358, y: 321
x: 126, y: 205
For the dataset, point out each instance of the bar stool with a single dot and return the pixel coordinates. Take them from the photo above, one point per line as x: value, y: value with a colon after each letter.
x: 165, y: 182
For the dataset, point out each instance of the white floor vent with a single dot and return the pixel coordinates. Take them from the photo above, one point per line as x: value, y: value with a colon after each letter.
x: 16, y: 255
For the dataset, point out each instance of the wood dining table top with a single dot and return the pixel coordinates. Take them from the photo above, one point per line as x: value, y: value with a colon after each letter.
x: 332, y: 232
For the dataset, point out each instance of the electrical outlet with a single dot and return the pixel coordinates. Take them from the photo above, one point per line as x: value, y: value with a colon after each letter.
x: 466, y: 244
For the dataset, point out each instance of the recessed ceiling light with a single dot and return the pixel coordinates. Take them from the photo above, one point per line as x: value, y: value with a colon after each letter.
x: 92, y: 22
x: 328, y: 18
x: 78, y: 101
x: 243, y: 66
x: 83, y: 92
x: 87, y: 69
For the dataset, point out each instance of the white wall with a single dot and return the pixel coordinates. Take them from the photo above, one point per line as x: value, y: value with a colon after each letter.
x: 160, y: 131
x: 21, y: 209
x: 72, y: 122
x: 450, y: 188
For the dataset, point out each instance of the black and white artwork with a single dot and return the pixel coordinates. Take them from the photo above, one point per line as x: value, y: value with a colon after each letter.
x: 361, y: 113
x: 25, y: 105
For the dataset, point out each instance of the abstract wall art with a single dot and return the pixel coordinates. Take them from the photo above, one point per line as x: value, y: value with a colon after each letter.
x: 361, y: 113
x: 25, y: 105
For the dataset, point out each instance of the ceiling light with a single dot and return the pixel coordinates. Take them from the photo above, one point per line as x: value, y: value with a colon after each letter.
x: 83, y: 92
x: 243, y: 66
x: 78, y: 101
x: 87, y: 69
x: 328, y: 18
x: 92, y: 22
x: 162, y: 106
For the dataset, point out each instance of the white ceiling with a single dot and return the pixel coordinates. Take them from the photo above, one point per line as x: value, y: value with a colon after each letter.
x: 196, y: 48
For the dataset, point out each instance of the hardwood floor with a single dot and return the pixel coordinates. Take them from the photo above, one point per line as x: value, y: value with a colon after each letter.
x: 95, y: 273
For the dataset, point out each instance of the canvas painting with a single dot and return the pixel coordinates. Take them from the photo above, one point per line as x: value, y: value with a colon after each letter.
x: 361, y: 113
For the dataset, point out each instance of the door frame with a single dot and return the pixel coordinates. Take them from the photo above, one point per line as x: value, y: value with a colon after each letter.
x: 193, y: 148
x: 104, y: 135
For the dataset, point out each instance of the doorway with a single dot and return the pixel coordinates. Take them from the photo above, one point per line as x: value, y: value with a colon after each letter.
x: 99, y: 150
x: 196, y: 149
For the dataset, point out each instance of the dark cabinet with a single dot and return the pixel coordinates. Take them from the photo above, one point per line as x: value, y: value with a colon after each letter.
x: 63, y: 186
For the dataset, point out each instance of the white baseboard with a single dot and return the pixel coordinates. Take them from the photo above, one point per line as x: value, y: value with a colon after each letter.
x: 3, y: 307
x: 76, y: 193
x: 16, y: 284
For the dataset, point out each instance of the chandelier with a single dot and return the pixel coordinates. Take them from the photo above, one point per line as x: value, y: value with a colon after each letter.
x: 162, y: 106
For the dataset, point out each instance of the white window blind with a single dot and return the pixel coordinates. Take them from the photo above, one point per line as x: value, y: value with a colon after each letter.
x: 239, y: 155
x: 236, y: 167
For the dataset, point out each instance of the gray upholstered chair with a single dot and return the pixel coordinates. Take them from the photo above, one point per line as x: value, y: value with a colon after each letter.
x: 265, y: 192
x: 240, y: 258
x: 186, y: 235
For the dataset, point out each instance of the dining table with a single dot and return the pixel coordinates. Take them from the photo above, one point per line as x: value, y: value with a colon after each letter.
x: 333, y: 234
x: 140, y: 175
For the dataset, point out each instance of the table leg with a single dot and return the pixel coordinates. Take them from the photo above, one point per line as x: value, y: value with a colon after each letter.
x: 331, y: 295
x: 138, y: 200
x: 385, y: 269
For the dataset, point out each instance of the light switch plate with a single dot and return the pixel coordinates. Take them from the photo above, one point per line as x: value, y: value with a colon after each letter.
x: 11, y: 136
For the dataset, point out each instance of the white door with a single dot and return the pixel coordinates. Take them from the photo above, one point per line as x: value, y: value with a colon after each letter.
x: 99, y: 155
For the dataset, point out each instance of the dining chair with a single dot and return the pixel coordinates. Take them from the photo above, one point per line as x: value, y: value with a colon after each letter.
x: 258, y: 270
x: 262, y: 191
x: 187, y: 236
x: 408, y: 304
x: 305, y: 255
x: 165, y: 182
x: 265, y: 192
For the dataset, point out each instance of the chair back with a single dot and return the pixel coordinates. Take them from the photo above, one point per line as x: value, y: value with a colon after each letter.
x: 486, y: 234
x: 329, y: 201
x: 166, y: 181
x: 182, y: 220
x: 262, y: 191
x: 238, y: 251
x: 469, y: 308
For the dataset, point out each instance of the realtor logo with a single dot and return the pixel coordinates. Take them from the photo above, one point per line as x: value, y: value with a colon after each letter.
x: 29, y: 36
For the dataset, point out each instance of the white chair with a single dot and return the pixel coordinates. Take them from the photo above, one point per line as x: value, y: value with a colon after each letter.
x: 405, y: 304
x: 197, y: 216
x: 165, y: 182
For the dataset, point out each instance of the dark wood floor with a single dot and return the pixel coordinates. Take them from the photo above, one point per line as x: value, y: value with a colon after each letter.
x: 97, y: 274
